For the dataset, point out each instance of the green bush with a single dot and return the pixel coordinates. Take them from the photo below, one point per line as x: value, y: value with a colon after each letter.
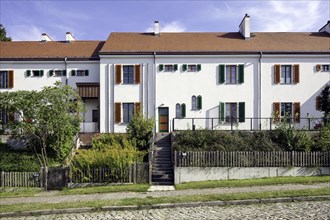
x: 322, y: 140
x: 109, y: 150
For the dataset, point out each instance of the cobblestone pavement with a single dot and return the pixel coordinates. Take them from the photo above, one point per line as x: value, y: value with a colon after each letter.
x: 295, y: 210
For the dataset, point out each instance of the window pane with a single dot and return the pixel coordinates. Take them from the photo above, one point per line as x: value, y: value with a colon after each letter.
x: 3, y: 79
x: 58, y: 73
x: 125, y: 112
x: 178, y: 110
x: 193, y: 103
x: 130, y: 111
x: 128, y: 74
x: 228, y: 77
x: 233, y: 74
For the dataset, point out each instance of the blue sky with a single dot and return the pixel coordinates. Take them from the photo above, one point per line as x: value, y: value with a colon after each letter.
x: 94, y: 20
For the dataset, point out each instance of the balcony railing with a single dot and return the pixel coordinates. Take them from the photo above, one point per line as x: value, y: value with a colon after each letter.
x: 89, y: 127
x: 246, y: 124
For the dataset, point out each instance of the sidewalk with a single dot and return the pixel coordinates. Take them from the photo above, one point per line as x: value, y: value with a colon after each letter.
x: 55, y: 197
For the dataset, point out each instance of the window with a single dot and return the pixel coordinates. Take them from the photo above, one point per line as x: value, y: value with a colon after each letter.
x: 325, y: 68
x: 232, y: 110
x: 95, y: 115
x: 231, y: 74
x: 79, y: 72
x: 57, y: 72
x: 128, y: 74
x: 168, y: 67
x: 128, y: 109
x: 286, y: 74
x: 3, y: 117
x: 131, y: 74
x: 180, y: 110
x: 192, y: 67
x: 6, y: 79
x: 193, y: 103
x: 35, y: 73
x: 286, y: 110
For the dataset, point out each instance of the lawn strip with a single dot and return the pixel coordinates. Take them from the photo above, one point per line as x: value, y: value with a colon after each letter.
x: 253, y: 182
x: 161, y: 200
x: 106, y: 189
x: 19, y: 192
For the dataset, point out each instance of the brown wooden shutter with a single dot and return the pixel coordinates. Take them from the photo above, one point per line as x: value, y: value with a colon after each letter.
x: 138, y: 107
x: 10, y: 79
x: 296, y: 112
x: 296, y: 78
x: 137, y: 74
x: 118, y: 74
x: 318, y: 67
x: 277, y: 74
x: 117, y: 112
x: 276, y: 111
x: 11, y: 116
x: 318, y: 104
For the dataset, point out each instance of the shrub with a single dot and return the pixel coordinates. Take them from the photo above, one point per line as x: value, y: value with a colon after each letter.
x: 322, y: 140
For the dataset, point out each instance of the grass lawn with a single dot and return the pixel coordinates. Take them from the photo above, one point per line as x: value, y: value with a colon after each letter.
x: 106, y: 189
x: 253, y: 182
x: 161, y: 200
x: 19, y: 192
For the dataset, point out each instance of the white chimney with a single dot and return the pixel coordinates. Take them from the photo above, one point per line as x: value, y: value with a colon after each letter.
x: 156, y: 28
x: 244, y: 27
x: 69, y: 37
x: 45, y: 37
x: 325, y: 28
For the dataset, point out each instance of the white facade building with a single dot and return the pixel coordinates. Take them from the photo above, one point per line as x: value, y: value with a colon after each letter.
x: 238, y: 80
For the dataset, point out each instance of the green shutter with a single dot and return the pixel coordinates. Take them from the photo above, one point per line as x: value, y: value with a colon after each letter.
x: 240, y: 73
x: 63, y: 72
x: 241, y: 112
x: 28, y: 73
x: 183, y: 110
x: 221, y: 73
x: 73, y: 72
x: 41, y: 73
x: 161, y: 67
x: 86, y: 72
x: 51, y: 72
x: 221, y: 112
x: 199, y: 67
x: 184, y: 67
x: 175, y: 67
x: 199, y: 102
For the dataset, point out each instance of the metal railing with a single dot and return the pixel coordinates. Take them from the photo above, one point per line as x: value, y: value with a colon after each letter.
x: 245, y: 124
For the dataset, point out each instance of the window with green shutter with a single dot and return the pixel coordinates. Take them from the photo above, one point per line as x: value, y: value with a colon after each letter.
x: 175, y: 66
x: 199, y: 67
x: 241, y: 73
x: 221, y: 73
x: 73, y: 72
x: 241, y: 111
x: 199, y: 102
x: 86, y: 72
x: 184, y: 67
x: 161, y: 67
x: 28, y: 73
x: 221, y: 112
x: 51, y: 72
x: 183, y: 110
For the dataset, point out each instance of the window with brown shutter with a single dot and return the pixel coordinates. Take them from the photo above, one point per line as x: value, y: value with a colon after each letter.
x: 118, y: 74
x: 276, y: 111
x: 296, y: 78
x: 10, y: 79
x: 296, y: 112
x: 137, y: 74
x: 117, y: 112
x: 318, y: 104
x: 318, y: 67
x: 277, y: 74
x: 137, y: 107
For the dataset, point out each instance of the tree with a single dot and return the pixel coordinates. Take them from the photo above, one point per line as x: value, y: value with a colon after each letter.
x: 3, y: 34
x: 140, y: 130
x: 47, y: 120
x: 325, y: 100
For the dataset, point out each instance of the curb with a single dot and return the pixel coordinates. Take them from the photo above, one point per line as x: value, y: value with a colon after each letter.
x: 166, y: 205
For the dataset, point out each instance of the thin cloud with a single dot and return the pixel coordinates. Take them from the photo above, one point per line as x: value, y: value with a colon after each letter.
x: 174, y: 26
x: 24, y: 33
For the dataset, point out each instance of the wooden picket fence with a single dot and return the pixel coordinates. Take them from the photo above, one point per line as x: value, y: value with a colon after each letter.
x: 20, y: 179
x: 252, y: 159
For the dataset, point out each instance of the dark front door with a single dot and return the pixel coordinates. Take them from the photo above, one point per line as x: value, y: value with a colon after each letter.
x: 163, y: 119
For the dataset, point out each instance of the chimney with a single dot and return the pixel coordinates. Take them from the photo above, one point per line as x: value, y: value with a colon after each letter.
x: 244, y: 27
x: 45, y: 38
x: 69, y: 37
x: 156, y: 28
x: 325, y: 28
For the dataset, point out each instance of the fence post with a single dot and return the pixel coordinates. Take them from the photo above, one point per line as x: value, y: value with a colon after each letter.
x: 134, y: 173
x: 212, y: 123
x: 292, y: 158
x: 231, y: 123
x: 270, y: 124
x: 2, y: 178
x: 309, y: 124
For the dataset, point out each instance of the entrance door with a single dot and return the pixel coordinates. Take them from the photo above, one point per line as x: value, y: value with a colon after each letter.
x: 163, y: 119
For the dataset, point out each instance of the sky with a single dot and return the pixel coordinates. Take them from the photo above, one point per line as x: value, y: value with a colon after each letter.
x: 26, y: 20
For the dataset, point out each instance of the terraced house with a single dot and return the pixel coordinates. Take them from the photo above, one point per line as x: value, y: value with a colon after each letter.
x: 236, y: 80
